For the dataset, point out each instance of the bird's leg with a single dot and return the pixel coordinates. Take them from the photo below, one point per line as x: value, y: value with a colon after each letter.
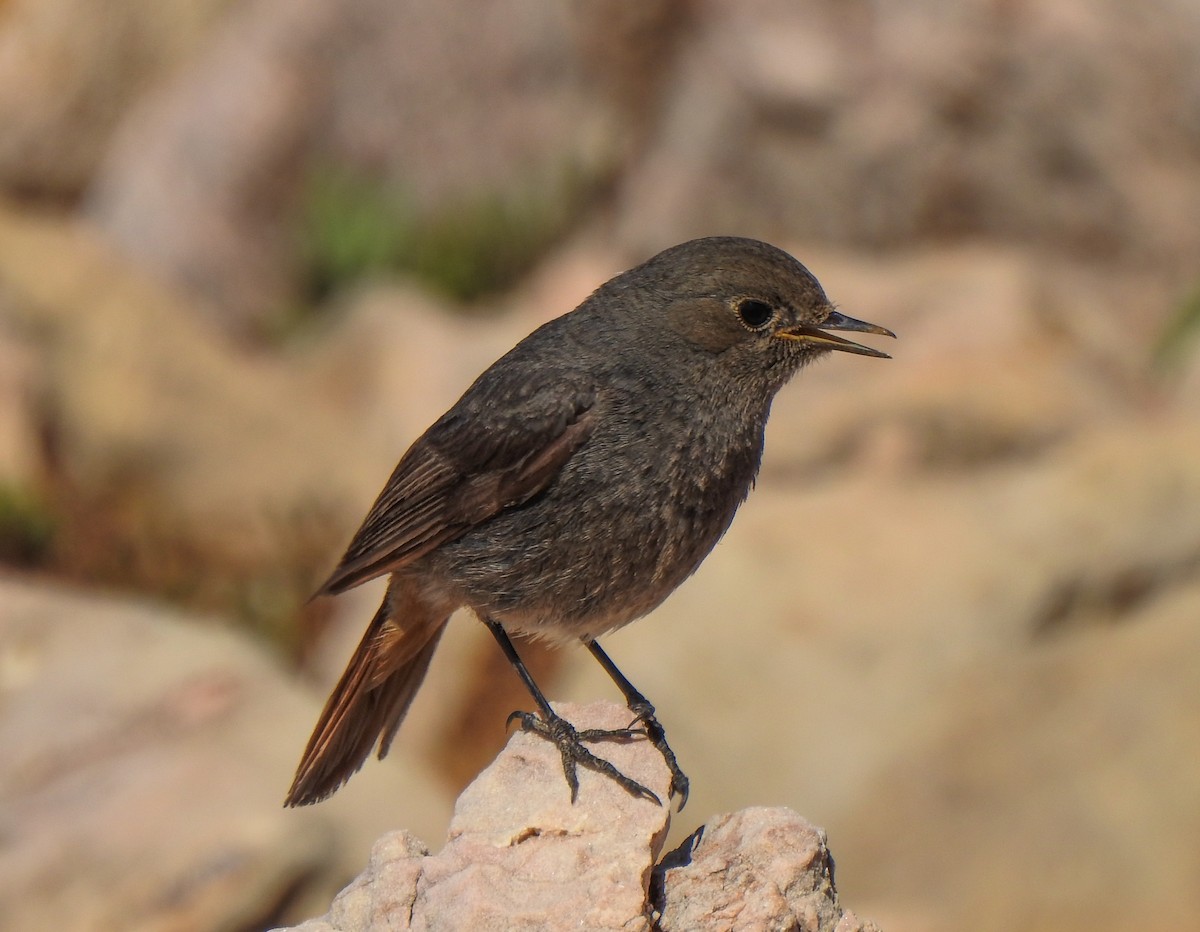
x: 569, y: 741
x: 641, y: 707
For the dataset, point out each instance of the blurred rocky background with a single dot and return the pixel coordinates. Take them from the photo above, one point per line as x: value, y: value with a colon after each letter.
x: 248, y: 250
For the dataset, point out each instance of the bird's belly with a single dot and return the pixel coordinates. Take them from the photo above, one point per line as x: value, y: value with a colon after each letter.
x: 582, y: 571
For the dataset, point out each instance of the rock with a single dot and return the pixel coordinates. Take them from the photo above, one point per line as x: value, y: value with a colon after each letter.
x: 521, y: 855
x: 140, y: 401
x: 754, y: 869
x: 397, y: 359
x: 1074, y: 763
x: 145, y: 761
x: 1002, y: 356
x: 1009, y: 480
x: 908, y: 628
x: 896, y: 124
x: 493, y: 131
x: 68, y: 71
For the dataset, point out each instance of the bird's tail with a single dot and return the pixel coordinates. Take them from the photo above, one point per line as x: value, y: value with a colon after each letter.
x: 372, y: 697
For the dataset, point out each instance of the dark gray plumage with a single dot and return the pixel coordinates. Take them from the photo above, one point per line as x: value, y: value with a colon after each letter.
x: 578, y: 481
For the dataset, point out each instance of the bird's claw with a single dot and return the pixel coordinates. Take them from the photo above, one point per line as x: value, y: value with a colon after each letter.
x: 569, y: 742
x: 643, y: 713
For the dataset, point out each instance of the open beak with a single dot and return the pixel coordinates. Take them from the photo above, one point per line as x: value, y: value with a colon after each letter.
x: 808, y: 333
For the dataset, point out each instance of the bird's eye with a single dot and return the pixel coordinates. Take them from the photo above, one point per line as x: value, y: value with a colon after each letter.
x: 755, y: 314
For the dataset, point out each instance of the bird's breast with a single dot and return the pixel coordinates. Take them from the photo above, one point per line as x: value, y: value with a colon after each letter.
x: 629, y: 518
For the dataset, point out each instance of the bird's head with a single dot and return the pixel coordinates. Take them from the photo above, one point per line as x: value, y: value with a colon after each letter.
x: 746, y: 306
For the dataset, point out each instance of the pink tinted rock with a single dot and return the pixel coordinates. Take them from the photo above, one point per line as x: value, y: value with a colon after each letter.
x: 382, y: 896
x: 760, y: 868
x: 521, y: 855
x: 145, y: 757
x: 68, y: 71
x: 430, y: 110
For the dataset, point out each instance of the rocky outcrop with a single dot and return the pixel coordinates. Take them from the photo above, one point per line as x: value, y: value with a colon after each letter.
x: 146, y: 754
x: 970, y: 576
x: 522, y: 856
x: 763, y: 868
x: 69, y: 70
x: 446, y: 122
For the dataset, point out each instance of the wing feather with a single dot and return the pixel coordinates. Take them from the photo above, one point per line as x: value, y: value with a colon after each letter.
x: 497, y: 448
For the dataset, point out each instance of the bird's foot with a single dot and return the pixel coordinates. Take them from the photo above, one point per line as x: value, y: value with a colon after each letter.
x: 644, y: 715
x: 569, y: 741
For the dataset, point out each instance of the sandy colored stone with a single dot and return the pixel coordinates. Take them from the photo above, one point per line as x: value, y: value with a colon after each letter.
x: 69, y: 69
x: 146, y: 758
x: 900, y: 123
x: 521, y: 855
x: 382, y: 896
x: 1074, y: 763
x: 140, y: 395
x: 751, y: 870
x: 834, y: 637
x: 445, y: 110
x: 1001, y: 356
x: 1008, y: 478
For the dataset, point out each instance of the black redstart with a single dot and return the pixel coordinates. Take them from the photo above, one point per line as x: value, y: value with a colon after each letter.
x: 575, y: 485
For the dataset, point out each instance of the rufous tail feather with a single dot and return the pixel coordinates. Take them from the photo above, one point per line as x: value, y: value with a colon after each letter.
x: 367, y: 705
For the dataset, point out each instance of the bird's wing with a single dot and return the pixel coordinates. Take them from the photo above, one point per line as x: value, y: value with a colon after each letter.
x: 501, y: 445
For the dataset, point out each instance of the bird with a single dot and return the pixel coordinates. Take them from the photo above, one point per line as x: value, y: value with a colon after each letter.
x: 574, y: 486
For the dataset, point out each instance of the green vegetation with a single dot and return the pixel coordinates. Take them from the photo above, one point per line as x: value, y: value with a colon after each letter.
x: 352, y: 226
x: 27, y: 527
x: 1180, y: 336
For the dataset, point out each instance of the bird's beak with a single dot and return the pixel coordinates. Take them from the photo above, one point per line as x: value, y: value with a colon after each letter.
x: 808, y: 333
